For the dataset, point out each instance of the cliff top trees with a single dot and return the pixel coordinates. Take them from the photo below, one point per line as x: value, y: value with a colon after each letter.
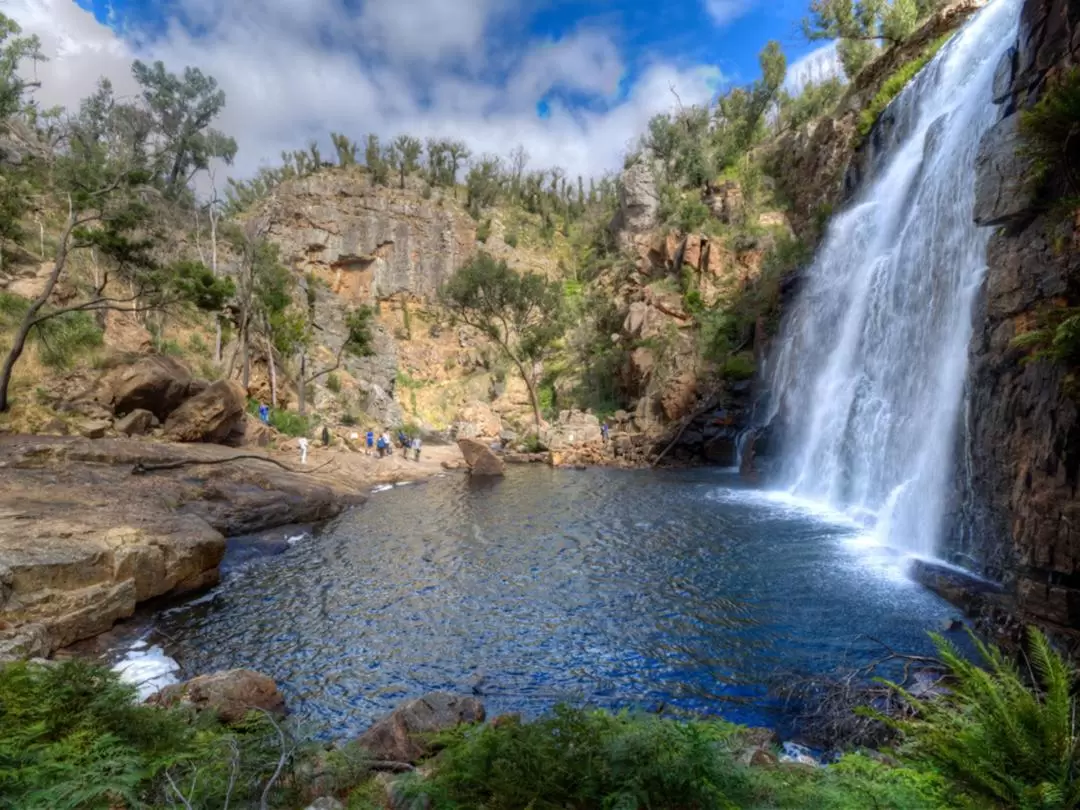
x: 520, y: 312
x: 182, y: 109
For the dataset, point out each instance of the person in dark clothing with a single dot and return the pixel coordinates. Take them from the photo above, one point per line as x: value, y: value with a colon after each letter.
x: 326, y: 436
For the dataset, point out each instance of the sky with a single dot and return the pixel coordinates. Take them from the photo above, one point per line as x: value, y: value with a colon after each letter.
x: 573, y: 81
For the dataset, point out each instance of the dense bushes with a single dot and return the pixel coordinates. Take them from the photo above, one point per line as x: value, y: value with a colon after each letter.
x: 71, y: 736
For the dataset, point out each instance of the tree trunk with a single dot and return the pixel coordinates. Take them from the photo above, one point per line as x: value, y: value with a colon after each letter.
x: 12, y: 357
x: 19, y: 343
x: 214, y: 270
x: 246, y: 349
x: 301, y: 384
x: 273, y: 373
x: 534, y: 398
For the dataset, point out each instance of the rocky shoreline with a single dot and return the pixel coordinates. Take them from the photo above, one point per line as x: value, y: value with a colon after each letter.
x: 91, y: 528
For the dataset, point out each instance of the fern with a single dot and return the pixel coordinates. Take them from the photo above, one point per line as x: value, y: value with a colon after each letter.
x: 998, y: 737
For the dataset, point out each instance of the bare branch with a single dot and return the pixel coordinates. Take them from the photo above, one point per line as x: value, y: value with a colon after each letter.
x: 172, y: 784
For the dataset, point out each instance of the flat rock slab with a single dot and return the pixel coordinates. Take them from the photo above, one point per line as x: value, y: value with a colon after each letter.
x: 83, y: 539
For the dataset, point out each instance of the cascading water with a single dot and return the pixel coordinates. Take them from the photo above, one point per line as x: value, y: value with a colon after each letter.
x: 869, y: 374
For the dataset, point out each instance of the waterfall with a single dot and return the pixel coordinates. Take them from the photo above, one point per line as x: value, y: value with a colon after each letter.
x: 868, y: 376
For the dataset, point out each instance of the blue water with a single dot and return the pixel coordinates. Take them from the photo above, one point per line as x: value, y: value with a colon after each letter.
x: 608, y: 587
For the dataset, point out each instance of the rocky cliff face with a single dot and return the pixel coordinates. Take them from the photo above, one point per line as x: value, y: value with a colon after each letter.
x: 1018, y: 516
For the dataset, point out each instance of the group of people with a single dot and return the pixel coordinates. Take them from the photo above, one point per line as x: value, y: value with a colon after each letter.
x: 382, y: 446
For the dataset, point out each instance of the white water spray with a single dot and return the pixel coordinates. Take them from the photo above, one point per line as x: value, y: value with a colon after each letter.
x: 869, y: 377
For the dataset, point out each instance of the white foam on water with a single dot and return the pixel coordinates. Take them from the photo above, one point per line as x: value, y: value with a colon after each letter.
x: 149, y: 669
x: 381, y: 488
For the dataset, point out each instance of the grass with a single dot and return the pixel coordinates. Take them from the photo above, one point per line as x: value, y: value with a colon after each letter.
x: 892, y: 86
x: 284, y: 421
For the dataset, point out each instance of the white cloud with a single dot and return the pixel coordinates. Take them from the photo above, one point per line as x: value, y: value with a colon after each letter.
x: 723, y: 12
x: 815, y: 67
x: 293, y: 71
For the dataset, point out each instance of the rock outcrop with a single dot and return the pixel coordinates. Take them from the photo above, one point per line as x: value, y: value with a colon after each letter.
x: 480, y: 459
x: 153, y: 383
x: 83, y: 540
x: 400, y: 736
x: 1017, y: 511
x: 209, y: 416
x: 230, y: 695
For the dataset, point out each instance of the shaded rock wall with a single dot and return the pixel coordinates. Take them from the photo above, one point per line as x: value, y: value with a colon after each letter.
x: 1017, y: 517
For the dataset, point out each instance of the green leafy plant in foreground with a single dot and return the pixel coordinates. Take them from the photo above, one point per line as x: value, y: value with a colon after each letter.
x: 1005, y: 742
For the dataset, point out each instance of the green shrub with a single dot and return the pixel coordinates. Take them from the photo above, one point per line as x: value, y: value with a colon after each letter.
x: 739, y: 366
x: 289, y: 422
x: 892, y: 86
x: 1006, y: 742
x: 581, y: 760
x: 483, y: 231
x: 1051, y: 132
x: 511, y: 239
x: 61, y: 340
x: 72, y: 737
x: 333, y: 382
x: 531, y: 443
x: 197, y: 345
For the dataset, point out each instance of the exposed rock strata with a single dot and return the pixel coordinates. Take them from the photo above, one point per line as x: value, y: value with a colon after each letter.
x: 82, y: 540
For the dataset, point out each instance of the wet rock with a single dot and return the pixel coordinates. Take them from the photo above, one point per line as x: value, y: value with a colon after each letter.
x: 480, y: 459
x: 955, y: 586
x: 231, y: 695
x: 1003, y: 76
x: 137, y: 423
x: 399, y: 736
x: 1004, y: 192
x: 795, y: 754
x: 209, y: 417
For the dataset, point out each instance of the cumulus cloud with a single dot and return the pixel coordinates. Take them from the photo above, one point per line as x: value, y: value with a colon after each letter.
x: 293, y: 71
x: 723, y: 12
x: 815, y: 67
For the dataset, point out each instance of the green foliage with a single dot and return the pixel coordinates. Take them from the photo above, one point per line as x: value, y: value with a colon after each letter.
x: 580, y: 760
x: 1051, y: 132
x: 333, y: 382
x: 182, y: 108
x: 1004, y: 741
x: 739, y: 366
x: 72, y: 737
x: 196, y: 283
x: 511, y: 239
x: 359, y: 340
x: 483, y: 231
x: 15, y: 49
x: 288, y: 422
x: 406, y: 152
x: 61, y: 340
x: 1056, y: 338
x: 892, y: 86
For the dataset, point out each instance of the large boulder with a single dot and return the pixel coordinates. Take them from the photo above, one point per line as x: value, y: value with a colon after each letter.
x: 136, y: 423
x: 231, y: 694
x: 250, y: 432
x: 574, y: 429
x: 399, y: 737
x: 639, y: 205
x: 153, y: 383
x: 209, y: 417
x: 477, y: 419
x: 480, y: 459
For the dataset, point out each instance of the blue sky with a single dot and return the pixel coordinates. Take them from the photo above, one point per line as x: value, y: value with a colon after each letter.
x: 574, y: 81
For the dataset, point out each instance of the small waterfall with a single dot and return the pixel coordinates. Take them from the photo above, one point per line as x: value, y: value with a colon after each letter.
x: 869, y: 372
